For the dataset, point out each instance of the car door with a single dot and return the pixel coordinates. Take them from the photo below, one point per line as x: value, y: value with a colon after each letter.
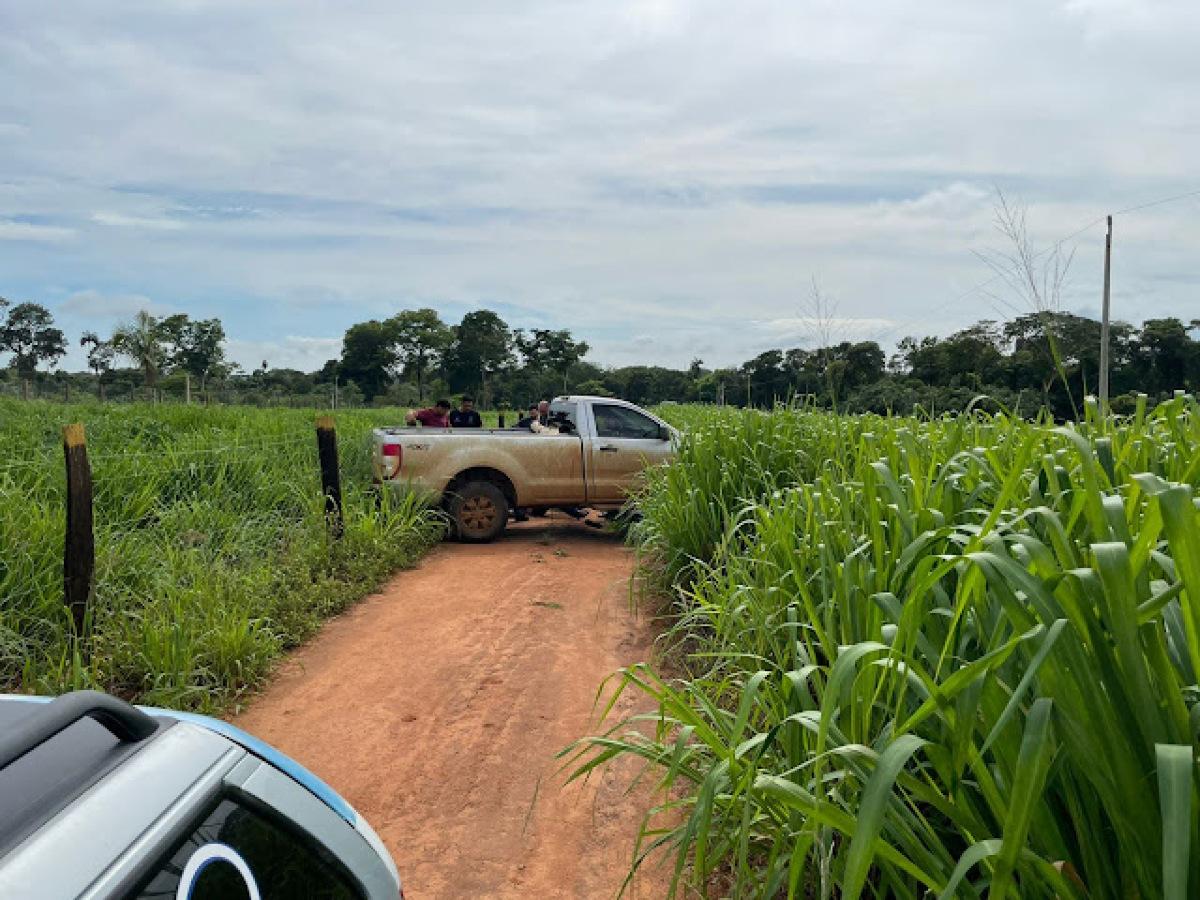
x: 625, y: 442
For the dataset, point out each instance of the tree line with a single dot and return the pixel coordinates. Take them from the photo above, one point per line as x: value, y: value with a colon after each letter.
x: 1042, y: 360
x: 155, y: 346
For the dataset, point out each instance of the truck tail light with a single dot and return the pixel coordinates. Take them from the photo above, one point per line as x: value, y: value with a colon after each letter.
x: 393, y: 455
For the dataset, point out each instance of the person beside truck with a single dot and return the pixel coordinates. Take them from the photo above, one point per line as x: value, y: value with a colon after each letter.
x: 466, y: 416
x: 436, y: 416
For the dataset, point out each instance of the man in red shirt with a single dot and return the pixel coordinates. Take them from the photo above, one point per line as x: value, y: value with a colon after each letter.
x: 436, y: 416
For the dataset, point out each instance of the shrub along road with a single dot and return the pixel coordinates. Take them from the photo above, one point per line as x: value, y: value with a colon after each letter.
x: 436, y: 708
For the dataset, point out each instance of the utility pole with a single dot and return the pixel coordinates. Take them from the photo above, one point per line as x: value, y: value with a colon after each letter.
x: 1104, y: 321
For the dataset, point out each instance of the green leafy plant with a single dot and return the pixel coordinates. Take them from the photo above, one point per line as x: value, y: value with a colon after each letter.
x: 954, y: 657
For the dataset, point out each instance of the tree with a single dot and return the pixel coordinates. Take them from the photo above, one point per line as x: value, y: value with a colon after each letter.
x: 969, y: 357
x: 329, y: 372
x: 1165, y: 355
x: 195, y: 346
x: 594, y: 387
x: 553, y: 350
x: 720, y: 386
x: 30, y: 336
x: 804, y: 370
x: 482, y: 347
x: 100, y: 358
x: 647, y: 385
x: 141, y: 341
x: 369, y: 357
x: 420, y: 335
x: 766, y: 380
x: 863, y: 363
x: 1058, y: 354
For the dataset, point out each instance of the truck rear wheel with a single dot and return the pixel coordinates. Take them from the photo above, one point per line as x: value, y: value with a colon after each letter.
x: 479, y: 510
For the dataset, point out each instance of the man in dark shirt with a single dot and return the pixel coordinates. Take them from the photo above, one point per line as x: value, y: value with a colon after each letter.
x: 538, y: 415
x: 436, y: 416
x: 466, y: 416
x: 527, y: 420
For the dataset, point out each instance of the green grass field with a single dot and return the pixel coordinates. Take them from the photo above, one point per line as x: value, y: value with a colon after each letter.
x: 948, y: 658
x: 212, y: 556
x: 951, y: 658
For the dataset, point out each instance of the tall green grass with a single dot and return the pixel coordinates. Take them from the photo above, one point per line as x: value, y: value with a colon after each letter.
x: 948, y: 658
x: 212, y: 555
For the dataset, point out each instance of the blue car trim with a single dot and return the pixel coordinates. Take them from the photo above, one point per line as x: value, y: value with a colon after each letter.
x: 265, y: 751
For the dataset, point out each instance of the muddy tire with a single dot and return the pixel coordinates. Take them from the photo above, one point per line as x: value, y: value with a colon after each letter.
x: 479, y: 511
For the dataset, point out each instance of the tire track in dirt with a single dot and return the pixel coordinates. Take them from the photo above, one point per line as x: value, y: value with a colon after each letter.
x: 436, y: 707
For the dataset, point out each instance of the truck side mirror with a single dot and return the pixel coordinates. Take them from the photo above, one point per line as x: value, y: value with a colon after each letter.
x: 664, y: 433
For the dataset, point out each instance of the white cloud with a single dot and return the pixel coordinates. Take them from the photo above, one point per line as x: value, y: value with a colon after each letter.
x: 656, y: 18
x: 28, y: 231
x: 953, y: 201
x: 647, y: 167
x: 809, y: 330
x: 148, y: 223
x: 93, y: 304
x: 291, y: 352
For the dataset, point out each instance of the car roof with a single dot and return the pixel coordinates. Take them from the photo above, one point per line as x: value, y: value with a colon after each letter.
x: 38, y: 784
x: 89, y: 750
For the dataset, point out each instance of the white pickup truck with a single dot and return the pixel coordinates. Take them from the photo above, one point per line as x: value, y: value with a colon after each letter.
x: 481, y: 476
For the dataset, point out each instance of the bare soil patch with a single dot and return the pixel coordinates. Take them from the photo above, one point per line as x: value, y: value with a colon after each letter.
x: 436, y: 708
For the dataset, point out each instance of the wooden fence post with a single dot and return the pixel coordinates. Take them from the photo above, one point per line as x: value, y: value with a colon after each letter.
x: 79, y: 550
x: 331, y: 484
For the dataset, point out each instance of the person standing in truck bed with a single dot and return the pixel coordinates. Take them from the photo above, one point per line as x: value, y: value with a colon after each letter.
x: 466, y: 415
x: 538, y: 419
x: 436, y: 416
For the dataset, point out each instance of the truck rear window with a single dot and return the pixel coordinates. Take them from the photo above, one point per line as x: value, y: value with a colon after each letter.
x: 234, y: 846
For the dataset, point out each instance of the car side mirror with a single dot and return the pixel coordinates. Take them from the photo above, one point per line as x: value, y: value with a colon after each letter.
x: 664, y: 433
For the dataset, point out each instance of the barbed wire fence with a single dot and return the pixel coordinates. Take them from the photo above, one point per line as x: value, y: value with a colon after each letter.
x: 113, y: 495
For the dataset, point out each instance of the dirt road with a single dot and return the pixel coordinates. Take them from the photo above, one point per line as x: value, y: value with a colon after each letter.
x: 436, y: 708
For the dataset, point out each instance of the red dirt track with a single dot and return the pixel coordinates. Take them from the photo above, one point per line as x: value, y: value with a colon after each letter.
x: 436, y: 708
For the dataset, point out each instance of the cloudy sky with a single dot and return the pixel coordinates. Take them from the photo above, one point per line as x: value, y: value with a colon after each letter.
x: 664, y: 178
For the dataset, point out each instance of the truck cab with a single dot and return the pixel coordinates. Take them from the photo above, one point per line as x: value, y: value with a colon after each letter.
x: 621, y: 440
